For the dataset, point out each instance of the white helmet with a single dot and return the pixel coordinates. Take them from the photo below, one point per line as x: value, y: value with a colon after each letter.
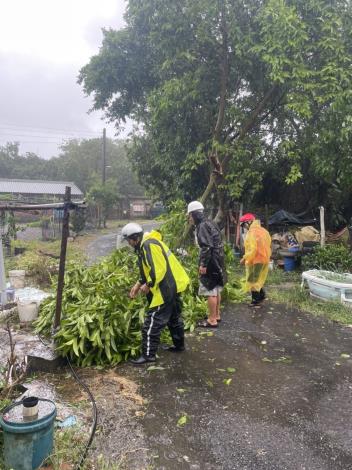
x: 195, y: 206
x: 130, y: 230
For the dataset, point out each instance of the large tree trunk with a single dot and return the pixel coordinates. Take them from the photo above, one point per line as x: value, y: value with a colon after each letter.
x: 217, y: 176
x: 219, y: 168
x: 246, y: 127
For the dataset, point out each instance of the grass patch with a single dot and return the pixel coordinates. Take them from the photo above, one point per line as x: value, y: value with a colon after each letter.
x: 41, y: 259
x: 69, y: 445
x: 278, y: 276
x: 296, y: 297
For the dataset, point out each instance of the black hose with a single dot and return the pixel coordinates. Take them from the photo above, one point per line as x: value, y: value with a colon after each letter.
x: 94, y: 406
x: 95, y: 414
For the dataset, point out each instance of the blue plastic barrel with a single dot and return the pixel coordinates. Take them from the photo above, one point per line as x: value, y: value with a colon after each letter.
x: 27, y: 444
x: 289, y: 263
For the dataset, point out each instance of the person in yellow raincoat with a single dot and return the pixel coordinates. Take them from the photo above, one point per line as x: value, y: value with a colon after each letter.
x: 162, y: 279
x: 257, y: 252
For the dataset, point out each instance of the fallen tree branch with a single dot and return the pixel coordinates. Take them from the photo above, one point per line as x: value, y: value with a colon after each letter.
x: 15, y: 372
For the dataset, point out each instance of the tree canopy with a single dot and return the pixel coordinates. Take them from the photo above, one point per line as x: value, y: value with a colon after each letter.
x: 231, y: 95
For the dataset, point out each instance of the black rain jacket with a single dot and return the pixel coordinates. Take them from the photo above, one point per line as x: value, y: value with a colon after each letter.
x: 211, y: 253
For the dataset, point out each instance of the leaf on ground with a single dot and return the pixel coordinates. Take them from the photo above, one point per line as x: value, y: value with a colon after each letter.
x: 209, y: 383
x: 284, y: 359
x: 227, y: 381
x: 263, y: 342
x: 231, y: 370
x: 182, y: 421
x: 345, y: 356
x: 181, y: 390
x: 221, y: 370
x: 151, y: 368
x: 266, y: 359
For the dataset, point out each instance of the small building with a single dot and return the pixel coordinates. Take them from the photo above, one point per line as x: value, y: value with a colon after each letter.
x: 33, y: 191
x: 135, y: 207
x: 139, y: 206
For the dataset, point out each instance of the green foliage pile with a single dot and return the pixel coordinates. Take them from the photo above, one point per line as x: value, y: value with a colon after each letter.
x: 330, y: 257
x: 100, y: 324
x: 173, y: 224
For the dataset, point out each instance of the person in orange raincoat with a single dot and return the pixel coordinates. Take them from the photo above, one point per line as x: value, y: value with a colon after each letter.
x: 257, y: 252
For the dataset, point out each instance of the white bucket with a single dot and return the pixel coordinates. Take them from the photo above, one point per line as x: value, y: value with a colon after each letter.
x: 27, y: 310
x: 17, y: 278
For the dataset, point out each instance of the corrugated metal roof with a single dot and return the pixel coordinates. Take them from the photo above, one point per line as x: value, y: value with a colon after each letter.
x: 15, y: 186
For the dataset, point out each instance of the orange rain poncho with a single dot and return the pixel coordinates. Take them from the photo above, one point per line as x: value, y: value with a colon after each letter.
x: 257, y: 246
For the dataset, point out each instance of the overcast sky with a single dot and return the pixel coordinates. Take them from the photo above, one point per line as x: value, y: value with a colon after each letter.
x: 43, y: 45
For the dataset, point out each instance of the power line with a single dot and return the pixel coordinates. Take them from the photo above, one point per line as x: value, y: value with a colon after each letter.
x: 36, y: 142
x: 40, y: 136
x: 39, y: 128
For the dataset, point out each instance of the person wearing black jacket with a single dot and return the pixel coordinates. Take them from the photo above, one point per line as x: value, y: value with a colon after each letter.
x: 212, y: 273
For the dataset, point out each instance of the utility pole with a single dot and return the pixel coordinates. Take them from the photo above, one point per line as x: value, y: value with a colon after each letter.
x: 104, y: 156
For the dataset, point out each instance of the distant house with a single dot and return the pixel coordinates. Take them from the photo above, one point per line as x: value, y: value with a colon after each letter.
x: 139, y: 206
x: 19, y: 190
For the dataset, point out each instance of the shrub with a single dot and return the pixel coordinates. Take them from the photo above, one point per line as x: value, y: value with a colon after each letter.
x: 330, y: 257
x: 78, y: 219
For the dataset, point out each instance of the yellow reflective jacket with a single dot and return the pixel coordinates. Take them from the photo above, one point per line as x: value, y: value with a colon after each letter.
x: 257, y: 246
x: 161, y: 270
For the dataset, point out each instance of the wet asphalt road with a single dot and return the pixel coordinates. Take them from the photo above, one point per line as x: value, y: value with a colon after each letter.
x: 105, y: 244
x: 287, y: 407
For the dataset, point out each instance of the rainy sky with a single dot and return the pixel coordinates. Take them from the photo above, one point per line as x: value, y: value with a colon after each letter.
x: 43, y: 45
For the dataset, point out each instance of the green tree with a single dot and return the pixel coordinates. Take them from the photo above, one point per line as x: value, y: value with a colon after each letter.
x: 81, y: 161
x: 103, y: 197
x: 226, y: 90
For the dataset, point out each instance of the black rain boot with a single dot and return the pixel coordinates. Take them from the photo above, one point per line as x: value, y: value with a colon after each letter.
x: 178, y: 338
x: 142, y: 360
x: 176, y: 349
x: 262, y: 294
x: 255, y: 299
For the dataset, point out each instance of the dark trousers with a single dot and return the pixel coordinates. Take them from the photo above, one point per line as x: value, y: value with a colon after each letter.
x: 258, y: 296
x: 168, y: 314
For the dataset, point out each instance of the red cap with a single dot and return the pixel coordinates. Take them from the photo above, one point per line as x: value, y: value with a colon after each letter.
x: 247, y: 218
